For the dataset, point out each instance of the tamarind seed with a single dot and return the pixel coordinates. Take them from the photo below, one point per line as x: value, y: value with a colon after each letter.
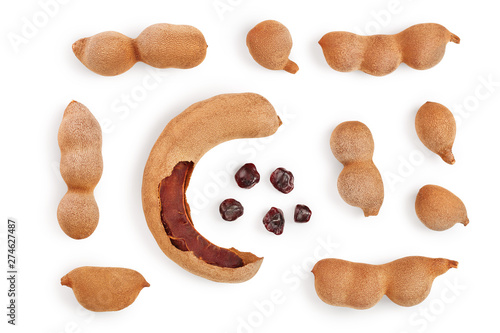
x: 274, y: 221
x: 282, y: 180
x: 230, y: 209
x: 247, y: 176
x: 302, y: 214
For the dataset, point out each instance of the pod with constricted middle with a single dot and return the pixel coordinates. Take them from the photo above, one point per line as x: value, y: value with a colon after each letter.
x: 161, y: 45
x: 421, y: 46
x: 80, y: 141
x: 406, y: 281
x: 360, y: 183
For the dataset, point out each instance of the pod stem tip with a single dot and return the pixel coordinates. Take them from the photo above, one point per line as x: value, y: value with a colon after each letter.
x: 455, y: 39
x: 291, y: 67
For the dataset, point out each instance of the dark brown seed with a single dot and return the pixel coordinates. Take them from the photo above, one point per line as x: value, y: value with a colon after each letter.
x: 274, y: 221
x: 247, y: 176
x: 302, y: 214
x: 230, y: 209
x: 282, y: 180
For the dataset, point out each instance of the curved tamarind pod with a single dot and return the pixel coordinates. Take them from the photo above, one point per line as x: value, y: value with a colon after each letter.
x: 183, y: 142
x: 406, y: 281
x: 102, y: 289
x: 436, y: 128
x: 270, y: 44
x: 161, y: 45
x: 360, y: 183
x: 439, y: 209
x: 80, y: 141
x: 421, y: 46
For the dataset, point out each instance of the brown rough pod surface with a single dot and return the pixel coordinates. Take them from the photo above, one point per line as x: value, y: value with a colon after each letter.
x: 80, y: 141
x: 161, y: 45
x: 183, y: 142
x: 102, y: 289
x: 421, y: 46
x: 406, y: 281
x: 270, y: 44
x: 439, y: 209
x: 360, y: 183
x: 436, y: 128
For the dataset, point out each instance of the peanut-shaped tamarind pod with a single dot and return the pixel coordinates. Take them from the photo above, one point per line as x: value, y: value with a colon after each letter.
x: 439, y: 209
x: 183, y: 142
x: 270, y: 44
x: 80, y: 141
x: 360, y: 183
x: 421, y: 46
x: 436, y: 128
x: 161, y: 45
x: 406, y: 281
x: 102, y: 289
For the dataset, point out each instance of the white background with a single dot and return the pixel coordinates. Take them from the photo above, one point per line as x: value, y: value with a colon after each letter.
x: 41, y: 76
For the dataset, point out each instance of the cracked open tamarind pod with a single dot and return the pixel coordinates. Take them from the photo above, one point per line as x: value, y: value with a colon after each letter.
x: 439, y: 209
x: 360, y: 183
x: 421, y: 46
x: 183, y: 142
x: 436, y: 128
x: 161, y: 45
x: 270, y: 44
x: 406, y: 281
x: 102, y: 289
x: 80, y: 141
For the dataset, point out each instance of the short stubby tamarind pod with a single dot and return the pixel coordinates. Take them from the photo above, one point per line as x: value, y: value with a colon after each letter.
x: 183, y: 142
x: 436, y: 128
x: 406, y: 281
x: 80, y: 141
x: 103, y: 289
x: 161, y: 45
x: 270, y: 44
x: 439, y: 209
x: 421, y: 47
x: 360, y: 183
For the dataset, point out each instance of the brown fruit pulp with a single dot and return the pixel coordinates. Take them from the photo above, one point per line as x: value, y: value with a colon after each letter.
x: 178, y: 224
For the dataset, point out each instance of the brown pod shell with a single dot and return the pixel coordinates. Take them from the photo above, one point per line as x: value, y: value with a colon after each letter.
x: 436, y: 128
x: 166, y: 45
x: 360, y: 183
x: 80, y: 141
x: 161, y: 45
x: 406, y: 281
x: 185, y: 139
x: 439, y: 209
x: 107, y: 53
x: 270, y: 44
x: 421, y: 46
x: 103, y: 289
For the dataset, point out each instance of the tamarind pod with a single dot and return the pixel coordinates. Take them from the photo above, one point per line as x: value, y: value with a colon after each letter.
x: 439, y: 209
x: 406, y: 281
x: 102, y: 289
x: 160, y: 45
x: 359, y: 183
x: 436, y: 128
x: 183, y: 142
x: 270, y: 44
x: 421, y: 47
x: 80, y: 142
